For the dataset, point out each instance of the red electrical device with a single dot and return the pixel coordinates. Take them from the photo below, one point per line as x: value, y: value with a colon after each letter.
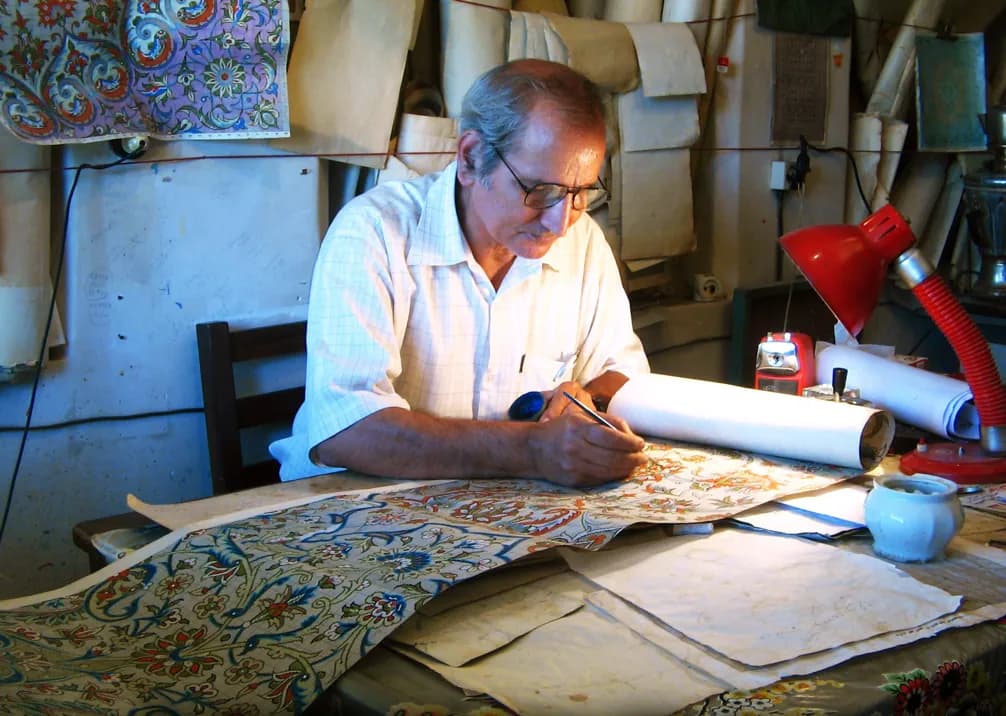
x: 785, y: 363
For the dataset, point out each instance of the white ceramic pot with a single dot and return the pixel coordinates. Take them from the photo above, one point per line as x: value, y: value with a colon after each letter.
x: 913, y: 517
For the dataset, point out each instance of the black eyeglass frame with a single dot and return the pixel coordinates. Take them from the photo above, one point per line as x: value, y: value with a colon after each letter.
x: 578, y: 192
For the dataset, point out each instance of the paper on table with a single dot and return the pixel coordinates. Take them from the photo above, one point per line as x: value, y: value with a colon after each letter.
x: 471, y: 630
x: 232, y: 506
x: 918, y: 397
x: 775, y: 598
x: 742, y: 676
x: 355, y: 50
x: 830, y: 512
x: 489, y: 583
x: 773, y: 517
x: 754, y: 420
x: 585, y: 663
x: 845, y: 502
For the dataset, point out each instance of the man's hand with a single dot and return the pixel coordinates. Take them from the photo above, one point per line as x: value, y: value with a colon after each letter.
x: 574, y: 450
x: 559, y: 403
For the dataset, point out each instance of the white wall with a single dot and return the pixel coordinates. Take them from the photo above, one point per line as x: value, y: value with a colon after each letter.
x: 153, y: 248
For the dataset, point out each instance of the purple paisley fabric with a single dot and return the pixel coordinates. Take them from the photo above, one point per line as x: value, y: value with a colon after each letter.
x: 89, y: 70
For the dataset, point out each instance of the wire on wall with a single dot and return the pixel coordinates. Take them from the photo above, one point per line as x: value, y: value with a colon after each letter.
x: 45, y: 334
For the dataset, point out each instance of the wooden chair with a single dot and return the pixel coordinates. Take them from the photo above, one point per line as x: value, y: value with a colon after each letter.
x: 231, y: 412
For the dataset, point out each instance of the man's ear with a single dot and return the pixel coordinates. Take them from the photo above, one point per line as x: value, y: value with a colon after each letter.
x: 468, y: 146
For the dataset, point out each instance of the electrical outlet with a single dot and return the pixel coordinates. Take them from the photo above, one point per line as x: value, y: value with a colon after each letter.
x: 777, y: 177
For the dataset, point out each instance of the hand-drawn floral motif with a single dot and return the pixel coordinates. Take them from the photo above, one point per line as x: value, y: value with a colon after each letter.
x: 260, y: 615
x: 87, y: 69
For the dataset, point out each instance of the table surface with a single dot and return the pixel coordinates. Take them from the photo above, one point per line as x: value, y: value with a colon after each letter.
x: 960, y: 667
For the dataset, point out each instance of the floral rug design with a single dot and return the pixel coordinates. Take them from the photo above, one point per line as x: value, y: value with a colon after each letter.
x: 88, y: 70
x: 261, y: 615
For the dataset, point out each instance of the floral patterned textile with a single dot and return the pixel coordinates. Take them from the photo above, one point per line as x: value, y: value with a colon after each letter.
x: 951, y: 688
x: 88, y: 70
x: 260, y: 615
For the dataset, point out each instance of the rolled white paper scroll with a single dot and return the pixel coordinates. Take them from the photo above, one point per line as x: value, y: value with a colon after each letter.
x: 759, y: 421
x: 928, y: 400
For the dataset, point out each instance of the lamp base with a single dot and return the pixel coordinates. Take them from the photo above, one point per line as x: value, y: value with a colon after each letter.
x: 964, y: 463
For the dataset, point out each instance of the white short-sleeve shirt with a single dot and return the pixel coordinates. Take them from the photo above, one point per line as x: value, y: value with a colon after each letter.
x: 400, y: 314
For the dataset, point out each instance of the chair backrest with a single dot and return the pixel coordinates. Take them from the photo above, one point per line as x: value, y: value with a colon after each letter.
x: 221, y: 349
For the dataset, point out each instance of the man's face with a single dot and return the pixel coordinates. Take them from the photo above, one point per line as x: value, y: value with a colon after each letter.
x: 547, y: 153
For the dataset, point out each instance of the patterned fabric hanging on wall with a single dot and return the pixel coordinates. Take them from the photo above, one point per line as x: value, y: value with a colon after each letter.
x: 93, y: 70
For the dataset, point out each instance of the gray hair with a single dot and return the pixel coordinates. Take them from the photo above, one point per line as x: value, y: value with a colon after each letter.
x: 499, y: 104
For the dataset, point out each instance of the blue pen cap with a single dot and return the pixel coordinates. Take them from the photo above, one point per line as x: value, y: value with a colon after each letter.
x: 528, y: 407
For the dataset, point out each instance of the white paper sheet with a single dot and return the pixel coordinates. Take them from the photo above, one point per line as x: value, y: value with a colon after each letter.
x: 740, y: 676
x: 754, y: 420
x: 918, y: 397
x: 469, y: 631
x: 830, y: 512
x: 493, y: 582
x: 761, y: 599
x: 586, y: 664
x: 845, y: 502
x: 773, y: 517
x: 221, y: 509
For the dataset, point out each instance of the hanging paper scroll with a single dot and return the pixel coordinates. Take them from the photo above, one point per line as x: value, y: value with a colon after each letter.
x: 93, y: 70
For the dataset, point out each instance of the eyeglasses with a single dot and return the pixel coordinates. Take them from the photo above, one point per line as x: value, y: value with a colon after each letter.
x: 542, y: 196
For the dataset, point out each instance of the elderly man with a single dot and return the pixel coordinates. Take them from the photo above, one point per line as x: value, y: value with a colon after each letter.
x: 436, y: 302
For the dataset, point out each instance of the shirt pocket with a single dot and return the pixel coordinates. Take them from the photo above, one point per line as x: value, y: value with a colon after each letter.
x: 539, y: 372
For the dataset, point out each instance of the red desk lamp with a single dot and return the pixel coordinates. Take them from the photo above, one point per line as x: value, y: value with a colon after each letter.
x: 847, y: 266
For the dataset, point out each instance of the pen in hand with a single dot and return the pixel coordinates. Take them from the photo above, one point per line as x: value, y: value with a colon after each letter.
x: 600, y: 419
x: 592, y: 413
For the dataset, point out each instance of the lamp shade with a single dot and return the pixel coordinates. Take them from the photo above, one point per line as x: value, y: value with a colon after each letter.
x: 848, y: 264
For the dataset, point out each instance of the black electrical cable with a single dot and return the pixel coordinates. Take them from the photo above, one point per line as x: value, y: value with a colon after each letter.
x: 45, y: 336
x: 102, y: 419
x: 852, y: 161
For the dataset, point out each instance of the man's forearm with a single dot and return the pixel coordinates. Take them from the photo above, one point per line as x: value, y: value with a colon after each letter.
x: 604, y: 386
x: 400, y: 443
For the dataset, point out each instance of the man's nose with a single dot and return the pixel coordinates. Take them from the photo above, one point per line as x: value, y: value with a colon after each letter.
x: 560, y: 216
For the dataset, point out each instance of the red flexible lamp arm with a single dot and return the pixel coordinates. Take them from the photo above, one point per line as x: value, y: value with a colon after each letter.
x: 974, y: 355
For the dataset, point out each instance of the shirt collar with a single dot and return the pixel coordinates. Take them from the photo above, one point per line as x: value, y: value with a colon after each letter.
x: 440, y: 239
